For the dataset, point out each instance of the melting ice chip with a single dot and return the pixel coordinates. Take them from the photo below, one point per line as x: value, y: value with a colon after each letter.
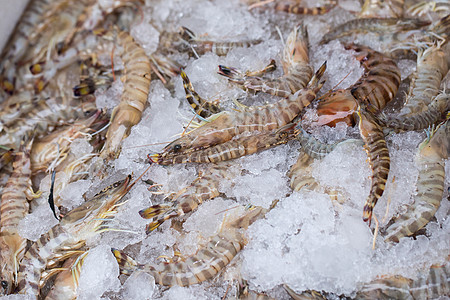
x: 99, y: 274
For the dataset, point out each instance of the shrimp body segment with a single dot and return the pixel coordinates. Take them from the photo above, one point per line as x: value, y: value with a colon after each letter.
x: 381, y: 79
x: 430, y: 185
x: 377, y: 86
x: 432, y: 284
x: 435, y: 112
x: 372, y: 25
x: 297, y: 8
x: 66, y: 281
x: 201, y: 47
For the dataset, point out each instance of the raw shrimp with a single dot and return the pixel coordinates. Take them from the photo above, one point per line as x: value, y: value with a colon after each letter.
x: 55, y: 146
x: 435, y: 112
x: 378, y: 154
x: 14, y: 207
x: 207, y: 262
x: 431, y: 69
x: 200, y: 47
x: 297, y: 8
x: 377, y: 86
x: 235, y: 148
x: 70, y: 234
x: 134, y: 97
x: 432, y: 283
x: 200, y: 106
x: 66, y: 281
x: 297, y: 71
x: 430, y: 185
x: 377, y: 25
x: 18, y: 44
x: 224, y: 126
x: 382, y: 9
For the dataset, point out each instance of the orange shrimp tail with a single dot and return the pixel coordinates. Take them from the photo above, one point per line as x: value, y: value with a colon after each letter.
x: 367, y: 213
x: 160, y: 213
x: 231, y: 73
x: 126, y: 264
x: 154, y: 211
x: 153, y: 225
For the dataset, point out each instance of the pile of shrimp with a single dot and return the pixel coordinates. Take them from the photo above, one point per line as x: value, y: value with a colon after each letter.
x: 192, y: 151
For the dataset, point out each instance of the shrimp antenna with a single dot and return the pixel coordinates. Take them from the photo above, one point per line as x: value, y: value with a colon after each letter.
x: 140, y: 177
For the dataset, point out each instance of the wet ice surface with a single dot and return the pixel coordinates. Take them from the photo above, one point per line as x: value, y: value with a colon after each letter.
x: 306, y: 241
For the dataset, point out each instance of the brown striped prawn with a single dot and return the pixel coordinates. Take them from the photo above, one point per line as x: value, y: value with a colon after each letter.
x: 50, y: 151
x: 378, y: 25
x: 431, y: 283
x: 40, y: 115
x: 235, y: 148
x: 299, y: 9
x: 199, y: 46
x: 207, y: 261
x: 134, y: 97
x: 70, y: 234
x: 430, y: 185
x: 295, y: 61
x: 222, y: 127
x: 433, y: 114
x: 67, y: 277
x: 295, y: 6
x: 431, y: 68
x: 375, y: 145
x: 377, y: 86
x: 14, y: 207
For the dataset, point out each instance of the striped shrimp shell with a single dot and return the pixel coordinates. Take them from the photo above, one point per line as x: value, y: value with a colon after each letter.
x: 431, y: 69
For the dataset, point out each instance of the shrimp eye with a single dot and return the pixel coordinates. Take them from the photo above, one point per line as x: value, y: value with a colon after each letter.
x: 4, y: 284
x: 177, y: 148
x: 117, y: 184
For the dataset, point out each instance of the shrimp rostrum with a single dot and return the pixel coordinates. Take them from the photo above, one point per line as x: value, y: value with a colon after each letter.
x: 224, y: 126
